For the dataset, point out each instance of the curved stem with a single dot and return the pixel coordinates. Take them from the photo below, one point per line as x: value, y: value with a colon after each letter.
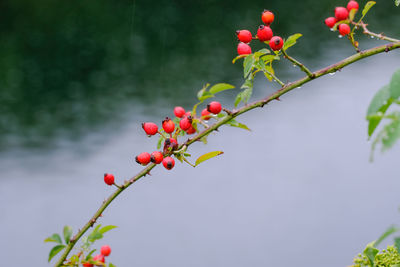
x: 376, y: 35
x: 260, y: 103
x: 295, y: 62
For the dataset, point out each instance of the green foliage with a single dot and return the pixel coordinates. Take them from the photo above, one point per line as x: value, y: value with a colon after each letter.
x: 388, y: 257
x: 367, y: 7
x: 291, y: 41
x: 397, y: 2
x: 55, y: 250
x: 67, y: 233
x: 377, y: 110
x: 207, y: 156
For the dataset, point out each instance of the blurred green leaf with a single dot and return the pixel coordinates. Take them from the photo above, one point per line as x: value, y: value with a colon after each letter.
x: 352, y: 13
x: 291, y: 40
x: 235, y: 123
x: 248, y: 65
x: 395, y: 85
x: 107, y: 228
x: 90, y: 254
x: 54, y: 238
x: 370, y: 252
x: 388, y: 232
x: 202, y: 91
x: 397, y: 240
x: 207, y: 156
x: 391, y: 133
x: 397, y: 2
x: 261, y: 53
x: 74, y: 260
x: 219, y: 87
x: 55, y: 250
x: 377, y: 108
x: 243, y: 96
x: 160, y: 140
x: 95, y: 234
x: 111, y: 265
x: 367, y: 7
x: 67, y: 233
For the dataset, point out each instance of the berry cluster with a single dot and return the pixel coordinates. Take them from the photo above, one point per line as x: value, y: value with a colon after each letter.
x: 104, y: 252
x: 264, y: 34
x: 342, y: 16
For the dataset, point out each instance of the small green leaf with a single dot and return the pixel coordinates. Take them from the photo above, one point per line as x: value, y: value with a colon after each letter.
x: 269, y: 58
x: 54, y: 238
x: 67, y: 233
x: 395, y: 85
x: 243, y: 96
x: 107, y: 228
x: 370, y: 252
x: 352, y: 13
x: 248, y: 65
x: 397, y: 2
x: 397, y: 240
x: 291, y: 40
x: 55, y: 250
x: 367, y: 7
x: 219, y: 87
x: 208, y: 156
x: 261, y: 53
x: 202, y: 91
x: 235, y: 123
x: 377, y: 108
x: 90, y: 254
x: 238, y: 57
x: 388, y: 232
x: 391, y: 134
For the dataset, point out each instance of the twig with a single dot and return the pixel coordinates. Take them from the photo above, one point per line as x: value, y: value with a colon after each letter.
x: 380, y: 36
x: 297, y: 63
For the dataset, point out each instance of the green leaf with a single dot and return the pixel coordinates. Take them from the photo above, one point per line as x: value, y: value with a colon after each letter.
x: 397, y: 240
x: 235, y: 123
x: 55, y: 250
x: 202, y: 91
x: 261, y: 53
x: 395, y: 85
x: 95, y: 234
x: 388, y: 232
x: 90, y: 254
x: 207, y: 156
x: 219, y: 87
x: 370, y: 252
x: 377, y: 108
x: 367, y: 7
x: 397, y: 2
x: 248, y: 65
x: 352, y: 13
x: 291, y: 40
x: 54, y: 238
x: 238, y: 57
x: 243, y: 96
x: 107, y: 228
x: 269, y: 58
x: 67, y: 233
x: 160, y: 140
x: 111, y: 265
x: 391, y: 133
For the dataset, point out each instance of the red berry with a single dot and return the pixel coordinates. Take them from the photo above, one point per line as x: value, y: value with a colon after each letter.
x: 105, y: 250
x: 87, y: 264
x: 143, y: 158
x: 150, y: 128
x: 99, y: 258
x: 344, y: 29
x: 109, y: 178
x: 214, y: 107
x: 170, y: 144
x: 244, y: 36
x: 330, y: 22
x: 179, y: 112
x: 243, y: 49
x: 341, y: 13
x: 205, y: 114
x: 276, y: 43
x: 185, y: 123
x: 264, y: 33
x: 191, y: 130
x: 168, y: 163
x: 352, y: 5
x: 168, y: 125
x: 156, y: 157
x: 267, y: 17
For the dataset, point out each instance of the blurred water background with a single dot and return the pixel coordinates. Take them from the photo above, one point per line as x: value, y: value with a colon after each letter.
x: 78, y: 78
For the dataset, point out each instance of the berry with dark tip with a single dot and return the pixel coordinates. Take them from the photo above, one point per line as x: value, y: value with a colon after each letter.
x: 150, y: 128
x: 341, y: 13
x: 170, y: 144
x: 143, y: 158
x: 168, y: 125
x: 109, y: 178
x: 344, y: 29
x: 156, y: 157
x: 264, y: 33
x: 214, y: 107
x: 105, y: 250
x: 244, y: 36
x: 179, y: 112
x: 243, y: 49
x: 168, y: 163
x: 267, y: 17
x: 276, y: 43
x: 205, y: 114
x: 352, y: 5
x: 185, y: 123
x: 330, y: 22
x: 191, y: 130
